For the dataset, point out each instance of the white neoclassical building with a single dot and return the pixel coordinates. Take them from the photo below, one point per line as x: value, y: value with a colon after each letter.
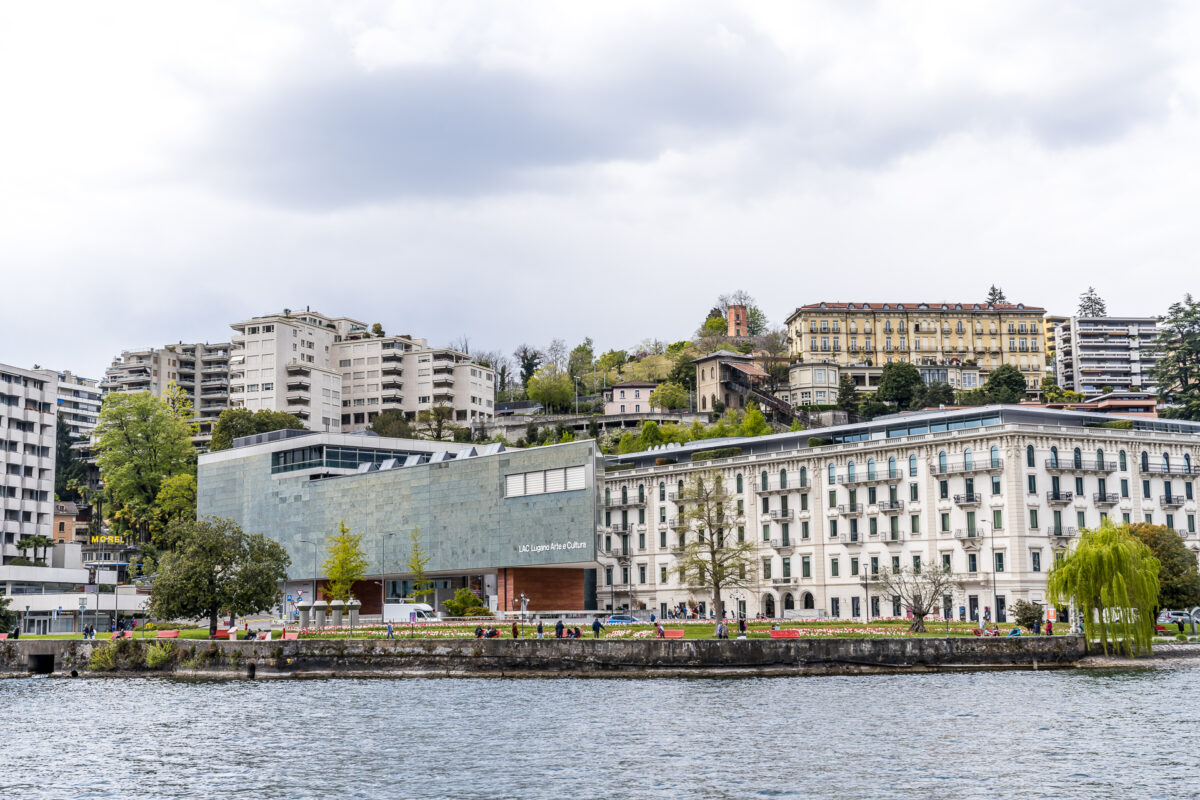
x: 995, y: 492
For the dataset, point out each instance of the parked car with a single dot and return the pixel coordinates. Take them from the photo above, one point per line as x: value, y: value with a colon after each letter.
x: 1168, y: 617
x: 620, y: 619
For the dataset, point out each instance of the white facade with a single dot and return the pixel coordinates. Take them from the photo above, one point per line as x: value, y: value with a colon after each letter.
x: 53, y: 599
x: 28, y: 402
x: 337, y: 377
x: 78, y: 402
x: 1095, y: 355
x: 995, y: 491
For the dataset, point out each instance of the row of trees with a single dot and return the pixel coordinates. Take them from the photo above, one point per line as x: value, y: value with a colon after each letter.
x: 902, y: 389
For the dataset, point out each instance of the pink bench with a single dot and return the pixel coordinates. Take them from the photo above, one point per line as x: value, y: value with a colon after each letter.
x: 167, y: 635
x: 290, y: 635
x: 786, y: 633
x: 223, y: 633
x: 673, y: 633
x: 3, y: 636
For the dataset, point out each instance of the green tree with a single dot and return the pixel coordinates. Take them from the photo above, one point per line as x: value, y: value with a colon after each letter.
x: 176, y: 502
x: 683, y: 371
x: 70, y: 471
x: 377, y: 329
x: 713, y: 559
x: 1091, y: 304
x: 551, y: 387
x: 234, y: 423
x: 579, y: 363
x: 1027, y: 614
x: 1178, y: 576
x: 713, y: 326
x: 753, y: 422
x: 670, y: 396
x: 870, y: 408
x: 900, y: 384
x: 418, y: 559
x: 217, y: 568
x: 651, y: 435
x: 612, y: 361
x: 973, y: 397
x: 140, y: 441
x: 847, y: 393
x: 937, y: 394
x: 995, y: 295
x: 1112, y: 578
x: 1005, y: 384
x: 394, y: 424
x: 8, y: 617
x: 435, y: 421
x: 1177, y: 372
x: 528, y: 359
x: 1053, y: 393
x: 344, y: 563
x: 464, y: 600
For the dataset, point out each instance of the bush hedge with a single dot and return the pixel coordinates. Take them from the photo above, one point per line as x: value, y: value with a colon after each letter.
x: 720, y: 452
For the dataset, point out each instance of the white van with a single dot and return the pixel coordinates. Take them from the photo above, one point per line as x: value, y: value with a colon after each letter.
x: 404, y: 611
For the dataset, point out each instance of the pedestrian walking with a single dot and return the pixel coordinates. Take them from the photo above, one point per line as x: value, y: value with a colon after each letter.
x: 391, y: 633
x: 516, y: 631
x: 1049, y: 628
x: 596, y: 628
x: 540, y: 633
x: 558, y: 629
x: 742, y: 625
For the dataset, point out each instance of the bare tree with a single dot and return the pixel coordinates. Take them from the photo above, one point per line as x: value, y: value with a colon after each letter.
x: 919, y: 590
x: 714, y: 560
x: 462, y: 344
x: 556, y: 354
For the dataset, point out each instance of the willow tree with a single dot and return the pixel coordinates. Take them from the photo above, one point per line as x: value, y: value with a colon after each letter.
x: 716, y: 558
x: 1112, y: 578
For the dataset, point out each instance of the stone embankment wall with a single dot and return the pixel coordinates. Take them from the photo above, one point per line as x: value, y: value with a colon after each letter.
x: 544, y: 658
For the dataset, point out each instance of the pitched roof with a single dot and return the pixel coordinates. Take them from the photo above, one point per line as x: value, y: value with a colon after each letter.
x: 633, y: 384
x: 723, y: 354
x: 919, y: 307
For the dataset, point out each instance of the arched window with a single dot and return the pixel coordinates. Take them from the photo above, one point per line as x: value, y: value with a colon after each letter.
x: 739, y: 483
x: 808, y: 600
x: 942, y: 462
x: 912, y: 465
x: 641, y: 493
x: 870, y: 469
x: 680, y: 495
x: 850, y: 471
x: 995, y: 457
x: 1100, y: 457
x: 832, y: 474
x: 783, y: 479
x: 662, y: 490
x: 968, y: 459
x: 1054, y: 456
x: 788, y: 603
x: 803, y: 477
x: 1077, y: 458
x: 1124, y: 464
x: 1166, y: 462
x: 763, y: 478
x: 1145, y: 461
x: 892, y: 468
x: 1187, y: 463
x: 624, y: 495
x: 1029, y: 460
x: 607, y: 496
x: 703, y: 402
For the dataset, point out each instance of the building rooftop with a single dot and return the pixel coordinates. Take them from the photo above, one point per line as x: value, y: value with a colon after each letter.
x: 919, y: 307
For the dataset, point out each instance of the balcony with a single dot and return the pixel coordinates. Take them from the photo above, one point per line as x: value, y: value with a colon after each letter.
x: 893, y: 537
x: 391, y: 354
x: 297, y: 399
x: 1105, y: 498
x: 964, y: 467
x: 392, y: 370
x: 850, y: 509
x: 393, y: 398
x: 1170, y: 500
x: 1059, y: 532
x: 628, y: 502
x: 392, y: 383
x: 891, y: 506
x: 1172, y: 470
x: 780, y: 513
x: 673, y: 497
x: 298, y: 385
x: 970, y: 537
x: 1082, y: 465
x: 1059, y: 498
x: 775, y: 488
x: 871, y: 477
x: 782, y: 545
x: 620, y: 527
x: 972, y: 499
x: 296, y: 368
x: 672, y: 522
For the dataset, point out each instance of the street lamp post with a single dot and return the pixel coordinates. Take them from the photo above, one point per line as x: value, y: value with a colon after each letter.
x: 383, y: 577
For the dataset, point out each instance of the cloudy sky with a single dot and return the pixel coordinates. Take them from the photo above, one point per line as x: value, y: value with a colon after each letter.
x: 517, y: 172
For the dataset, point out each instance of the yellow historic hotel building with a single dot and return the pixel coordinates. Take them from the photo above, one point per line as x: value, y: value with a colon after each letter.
x: 923, y: 334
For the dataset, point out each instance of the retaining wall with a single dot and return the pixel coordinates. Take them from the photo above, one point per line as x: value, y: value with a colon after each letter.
x: 550, y: 657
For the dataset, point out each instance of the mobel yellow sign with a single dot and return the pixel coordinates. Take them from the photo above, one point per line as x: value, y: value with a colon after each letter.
x: 98, y: 539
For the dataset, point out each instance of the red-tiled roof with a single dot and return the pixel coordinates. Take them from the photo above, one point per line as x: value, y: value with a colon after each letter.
x: 919, y: 307
x: 749, y: 369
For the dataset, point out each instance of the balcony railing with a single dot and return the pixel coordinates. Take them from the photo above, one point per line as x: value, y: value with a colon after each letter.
x: 1171, y: 500
x: 775, y: 488
x: 893, y: 537
x: 1082, y: 465
x: 629, y: 502
x: 971, y: 534
x: 1105, y: 498
x: 1059, y: 498
x: 783, y: 545
x: 1061, y: 532
x: 1159, y: 469
x: 780, y: 513
x: 871, y: 477
x: 890, y: 506
x: 960, y: 467
x: 850, y: 508
x: 620, y: 527
x: 971, y: 499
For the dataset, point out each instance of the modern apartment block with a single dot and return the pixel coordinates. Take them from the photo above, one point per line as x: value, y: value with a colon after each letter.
x: 995, y: 493
x: 1049, y: 324
x: 78, y: 402
x: 1097, y: 355
x: 335, y: 375
x: 924, y: 334
x: 28, y: 402
x: 200, y: 369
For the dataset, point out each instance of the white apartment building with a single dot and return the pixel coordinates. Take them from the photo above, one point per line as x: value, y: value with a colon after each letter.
x: 28, y: 401
x: 78, y: 402
x: 200, y: 369
x: 337, y: 376
x: 1095, y: 355
x: 995, y: 493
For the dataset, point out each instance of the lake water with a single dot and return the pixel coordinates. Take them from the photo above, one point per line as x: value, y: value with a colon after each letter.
x: 1057, y: 734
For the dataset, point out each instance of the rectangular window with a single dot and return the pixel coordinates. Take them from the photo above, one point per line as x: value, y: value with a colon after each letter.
x: 895, y: 563
x: 1031, y: 481
x: 662, y: 575
x: 995, y: 484
x: 1033, y: 519
x: 833, y: 529
x: 641, y: 573
x: 642, y: 541
x: 1081, y: 519
x: 946, y: 562
x: 945, y: 522
x: 833, y: 568
x: 766, y: 569
x: 1035, y: 560
x: 1146, y: 489
x: 853, y: 565
x: 943, y: 489
x: 874, y: 565
x: 805, y: 567
x: 608, y: 575
x: 1124, y: 487
x: 972, y: 562
x: 804, y: 529
x: 784, y: 533
x: 662, y: 539
x: 741, y: 533
x: 874, y: 526
x: 997, y: 519
x: 1079, y: 487
x: 766, y: 531
x: 914, y: 524
x: 804, y: 502
x: 999, y: 562
x: 787, y: 567
x: 916, y: 563
x: 833, y: 499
